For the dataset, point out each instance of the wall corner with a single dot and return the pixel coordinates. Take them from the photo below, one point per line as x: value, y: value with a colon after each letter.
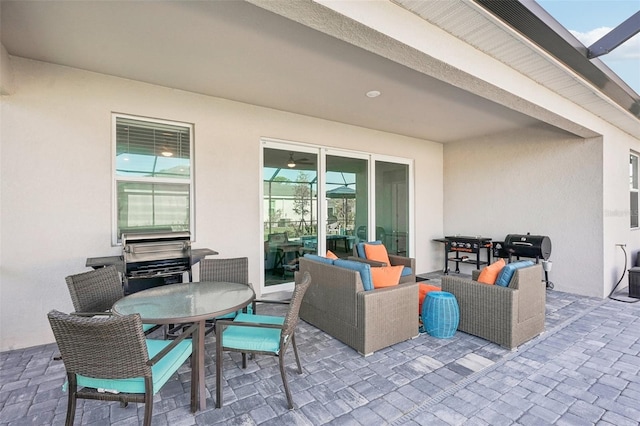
x: 6, y: 72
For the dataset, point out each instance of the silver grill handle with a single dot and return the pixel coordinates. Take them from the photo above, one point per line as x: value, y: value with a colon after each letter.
x: 153, y: 247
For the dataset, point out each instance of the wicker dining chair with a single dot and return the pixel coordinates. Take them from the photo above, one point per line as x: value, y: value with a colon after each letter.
x: 233, y: 270
x: 94, y: 293
x: 111, y: 354
x: 261, y: 334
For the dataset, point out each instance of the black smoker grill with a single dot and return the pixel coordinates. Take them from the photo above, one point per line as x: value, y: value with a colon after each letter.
x: 532, y: 246
x: 155, y: 259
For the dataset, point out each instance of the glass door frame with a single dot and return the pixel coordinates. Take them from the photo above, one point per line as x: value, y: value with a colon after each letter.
x: 322, y: 203
x: 298, y: 147
x: 410, y: 198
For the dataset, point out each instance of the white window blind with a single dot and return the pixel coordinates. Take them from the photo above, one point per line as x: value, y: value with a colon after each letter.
x: 153, y: 179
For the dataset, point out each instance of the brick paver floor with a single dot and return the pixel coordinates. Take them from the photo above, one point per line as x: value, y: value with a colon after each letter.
x: 583, y: 370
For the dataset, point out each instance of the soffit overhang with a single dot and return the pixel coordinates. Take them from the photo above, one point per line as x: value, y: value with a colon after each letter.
x: 525, y: 37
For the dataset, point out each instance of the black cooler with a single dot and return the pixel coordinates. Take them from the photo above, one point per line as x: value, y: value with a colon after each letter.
x: 634, y: 279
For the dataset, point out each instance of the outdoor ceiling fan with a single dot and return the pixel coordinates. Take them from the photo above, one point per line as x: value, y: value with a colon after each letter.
x: 292, y: 162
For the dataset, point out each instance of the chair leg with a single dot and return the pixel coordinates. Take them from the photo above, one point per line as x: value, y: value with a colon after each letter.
x: 219, y: 367
x: 148, y: 401
x: 72, y: 388
x: 295, y: 351
x: 194, y: 384
x: 284, y: 380
x: 244, y: 360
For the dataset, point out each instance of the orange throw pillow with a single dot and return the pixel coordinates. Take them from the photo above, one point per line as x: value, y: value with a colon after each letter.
x: 386, y: 276
x: 377, y: 252
x: 422, y: 293
x: 331, y: 255
x: 489, y: 274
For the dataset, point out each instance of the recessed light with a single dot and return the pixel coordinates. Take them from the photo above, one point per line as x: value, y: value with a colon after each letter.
x: 373, y: 94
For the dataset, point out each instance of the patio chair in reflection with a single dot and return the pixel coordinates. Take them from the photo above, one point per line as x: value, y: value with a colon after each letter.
x: 283, y: 249
x: 261, y: 334
x: 109, y: 359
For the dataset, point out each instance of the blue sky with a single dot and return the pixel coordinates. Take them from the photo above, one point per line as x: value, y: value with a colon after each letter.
x: 588, y: 20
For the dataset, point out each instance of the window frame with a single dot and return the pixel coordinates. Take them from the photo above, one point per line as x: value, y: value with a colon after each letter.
x: 634, y: 173
x: 115, y: 178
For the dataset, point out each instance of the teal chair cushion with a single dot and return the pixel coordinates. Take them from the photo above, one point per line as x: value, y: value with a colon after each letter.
x: 406, y: 271
x: 505, y: 275
x: 147, y: 327
x: 161, y: 372
x: 230, y: 315
x: 253, y: 338
x: 363, y: 268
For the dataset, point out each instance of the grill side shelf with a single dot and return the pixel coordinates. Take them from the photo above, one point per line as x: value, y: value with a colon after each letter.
x: 100, y: 262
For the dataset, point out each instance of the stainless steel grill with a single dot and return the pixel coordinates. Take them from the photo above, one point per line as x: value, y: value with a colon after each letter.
x: 154, y: 259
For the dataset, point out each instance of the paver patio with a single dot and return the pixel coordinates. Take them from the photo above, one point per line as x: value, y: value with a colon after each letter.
x: 584, y: 369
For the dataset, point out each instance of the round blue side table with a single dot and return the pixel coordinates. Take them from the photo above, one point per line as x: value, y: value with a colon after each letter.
x: 440, y: 314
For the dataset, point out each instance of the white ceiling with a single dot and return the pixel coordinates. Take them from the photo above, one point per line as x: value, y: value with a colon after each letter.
x: 238, y: 51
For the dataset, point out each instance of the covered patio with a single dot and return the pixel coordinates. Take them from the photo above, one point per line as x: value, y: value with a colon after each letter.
x: 584, y: 369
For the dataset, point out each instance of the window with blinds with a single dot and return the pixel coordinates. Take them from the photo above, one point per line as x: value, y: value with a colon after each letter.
x: 152, y: 176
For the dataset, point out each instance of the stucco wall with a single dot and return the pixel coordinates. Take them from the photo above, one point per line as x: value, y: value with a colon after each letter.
x: 616, y: 222
x: 56, y: 177
x: 537, y: 180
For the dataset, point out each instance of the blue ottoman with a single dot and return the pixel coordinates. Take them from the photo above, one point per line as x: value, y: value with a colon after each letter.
x: 440, y: 314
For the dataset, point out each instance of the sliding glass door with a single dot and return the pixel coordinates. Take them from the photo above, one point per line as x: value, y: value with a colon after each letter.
x: 317, y: 199
x: 392, y: 206
x: 290, y: 211
x: 347, y: 200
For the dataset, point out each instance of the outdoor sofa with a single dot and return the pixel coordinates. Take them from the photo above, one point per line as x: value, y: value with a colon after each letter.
x: 367, y: 320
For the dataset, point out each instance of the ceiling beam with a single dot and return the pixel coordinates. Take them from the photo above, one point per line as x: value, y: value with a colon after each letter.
x: 615, y: 37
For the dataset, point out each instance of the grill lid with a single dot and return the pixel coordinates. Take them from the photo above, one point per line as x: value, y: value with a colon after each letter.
x: 157, y: 250
x: 537, y: 246
x: 154, y: 237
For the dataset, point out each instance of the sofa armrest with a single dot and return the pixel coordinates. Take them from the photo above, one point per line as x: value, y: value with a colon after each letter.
x: 531, y: 291
x: 407, y: 262
x: 332, y: 291
x: 388, y: 315
x: 488, y: 311
x: 396, y: 260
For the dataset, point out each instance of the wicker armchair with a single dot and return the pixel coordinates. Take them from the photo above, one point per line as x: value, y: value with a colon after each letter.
x: 508, y: 316
x: 233, y: 270
x: 409, y: 263
x: 261, y: 334
x: 112, y: 353
x: 94, y: 293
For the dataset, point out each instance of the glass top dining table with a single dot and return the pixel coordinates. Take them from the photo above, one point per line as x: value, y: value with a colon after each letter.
x: 185, y: 303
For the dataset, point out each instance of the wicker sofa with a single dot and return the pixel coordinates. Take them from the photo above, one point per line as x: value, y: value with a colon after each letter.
x: 337, y: 303
x: 508, y: 316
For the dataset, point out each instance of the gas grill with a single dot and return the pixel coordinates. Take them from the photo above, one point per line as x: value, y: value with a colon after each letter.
x: 155, y: 259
